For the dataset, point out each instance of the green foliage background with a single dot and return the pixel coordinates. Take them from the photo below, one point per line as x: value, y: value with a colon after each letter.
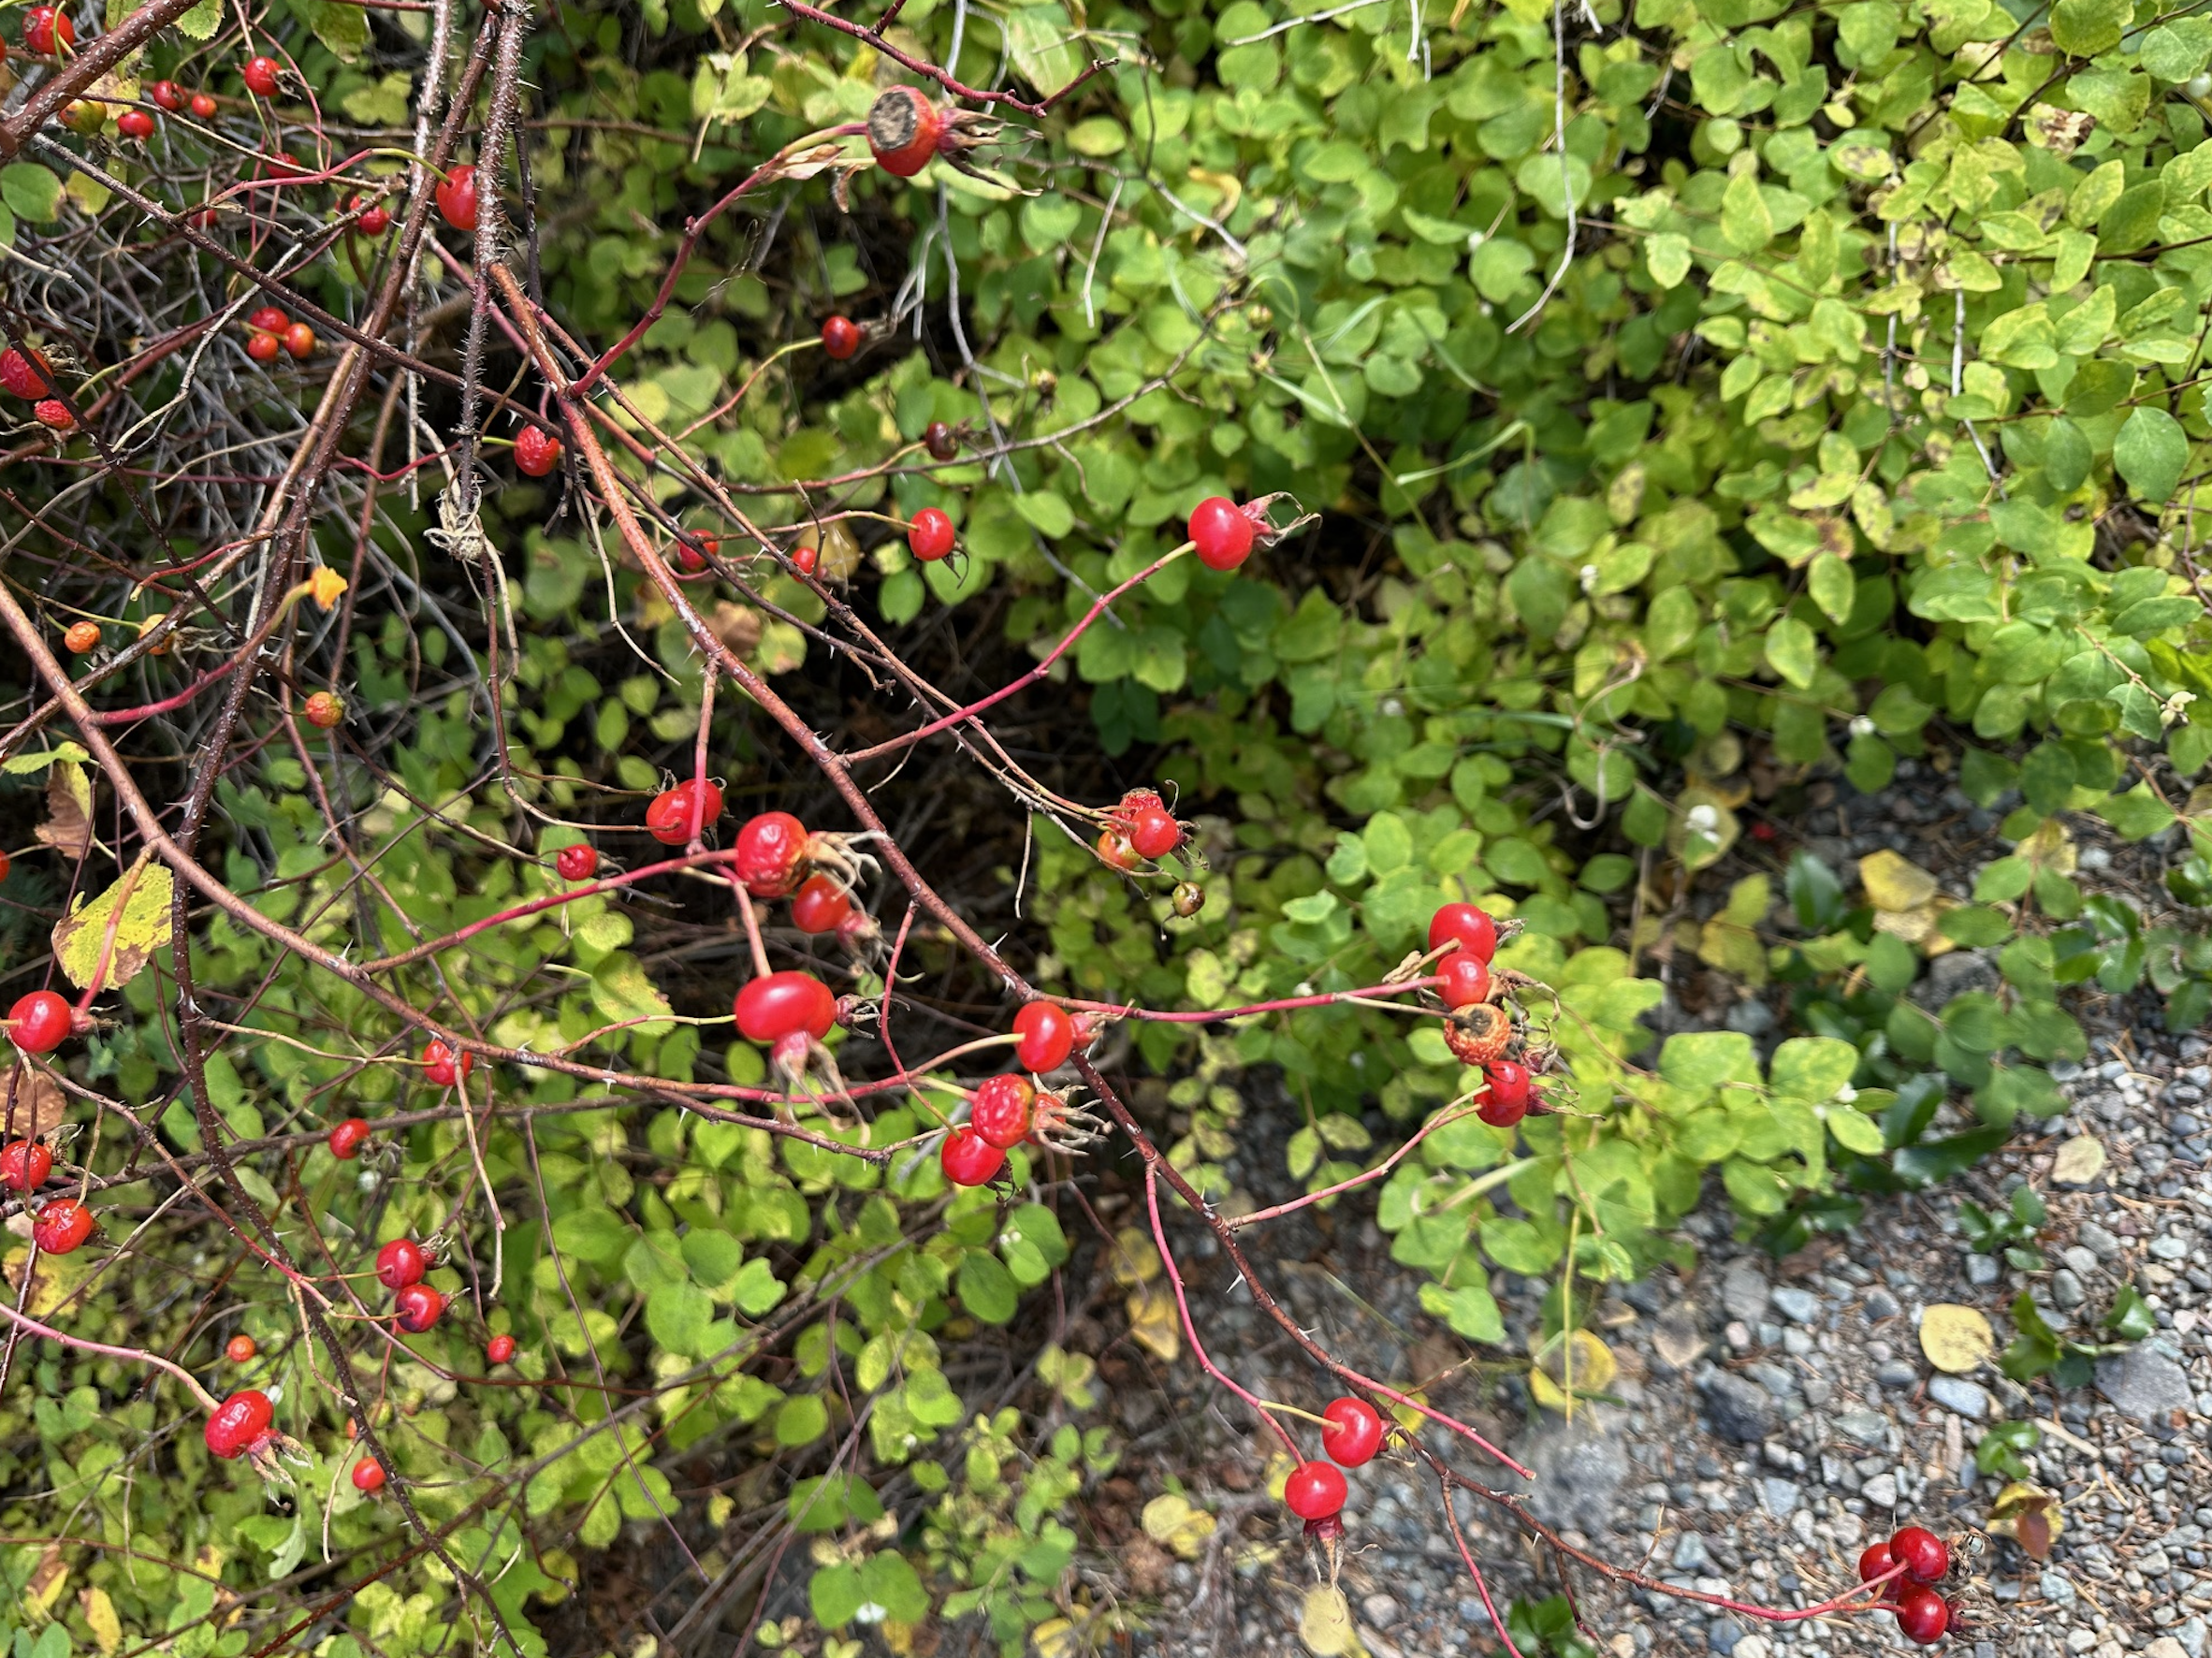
x: 1823, y: 378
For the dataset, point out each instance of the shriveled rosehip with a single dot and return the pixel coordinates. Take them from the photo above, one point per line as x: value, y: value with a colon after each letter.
x: 771, y: 855
x: 1466, y: 927
x: 930, y: 535
x: 135, y: 123
x: 203, y: 106
x: 263, y: 347
x: 1921, y: 1614
x: 781, y: 1004
x: 62, y: 1226
x: 1116, y: 853
x: 537, y: 451
x: 1461, y: 981
x: 1924, y: 1555
x: 1314, y: 1491
x: 1875, y: 1561
x: 1189, y: 899
x: 498, y: 1350
x: 369, y: 1476
x: 938, y: 439
x: 1326, y: 1530
x: 372, y: 223
x: 1220, y: 533
x: 1477, y: 1035
x: 819, y: 906
x: 840, y: 337
x: 40, y: 1022
x: 324, y: 711
x: 577, y: 862
x: 968, y: 1159
x: 24, y: 1164
x: 1047, y: 1037
x: 299, y: 343
x: 399, y: 1263
x: 240, y: 1350
x: 55, y: 414
x: 442, y: 1066
x: 1355, y: 1431
x: 347, y: 1137
x: 999, y: 1111
x: 457, y: 198
x: 44, y: 27
x: 25, y: 372
x: 239, y: 1423
x: 669, y: 818
x: 1154, y: 832
x: 260, y: 76
x: 903, y: 130
x: 418, y: 1306
x: 168, y: 95
x: 82, y: 637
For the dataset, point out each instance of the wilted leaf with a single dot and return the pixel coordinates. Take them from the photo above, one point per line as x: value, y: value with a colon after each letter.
x: 1176, y: 1523
x: 68, y: 828
x: 80, y: 939
x: 2079, y: 1161
x: 2029, y: 1515
x: 1153, y: 1322
x: 1325, y: 1622
x: 1893, y: 883
x: 1573, y: 1369
x: 32, y: 1104
x: 1955, y: 1338
x: 99, y: 1613
x: 737, y: 626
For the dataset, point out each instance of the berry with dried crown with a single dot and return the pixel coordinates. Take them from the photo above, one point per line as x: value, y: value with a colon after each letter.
x: 418, y: 1306
x: 1479, y: 1034
x: 369, y: 1476
x: 1314, y: 1491
x: 577, y: 862
x: 999, y: 1111
x: 779, y: 1005
x: 239, y: 1423
x: 970, y: 1159
x: 669, y: 818
x: 903, y: 129
x: 1221, y: 533
x: 40, y: 1022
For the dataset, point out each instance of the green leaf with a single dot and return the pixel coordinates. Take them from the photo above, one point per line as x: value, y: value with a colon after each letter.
x: 623, y: 993
x: 2152, y: 452
x: 1813, y: 1069
x: 2084, y: 28
x: 987, y: 1290
x: 1746, y: 224
x: 30, y: 192
x: 1702, y: 1060
x: 801, y: 1420
x: 678, y: 1316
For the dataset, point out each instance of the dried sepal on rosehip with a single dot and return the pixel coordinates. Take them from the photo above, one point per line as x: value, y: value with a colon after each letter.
x: 1479, y: 1034
x: 905, y: 129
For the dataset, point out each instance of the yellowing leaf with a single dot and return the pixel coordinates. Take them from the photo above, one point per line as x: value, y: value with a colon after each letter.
x: 2029, y: 1515
x: 1574, y: 1369
x: 1955, y: 1338
x: 1325, y: 1622
x: 99, y: 1612
x: 1176, y: 1523
x: 1893, y: 883
x: 82, y: 939
x: 1153, y: 1322
x: 2049, y: 848
x: 1054, y: 1638
x: 68, y: 828
x: 1135, y: 1260
x: 2079, y: 1161
x: 47, y: 1580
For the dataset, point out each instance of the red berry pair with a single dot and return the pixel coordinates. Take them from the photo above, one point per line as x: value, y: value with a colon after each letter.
x: 1922, y: 1614
x: 1144, y: 824
x: 677, y: 814
x: 1353, y: 1433
x: 400, y: 1266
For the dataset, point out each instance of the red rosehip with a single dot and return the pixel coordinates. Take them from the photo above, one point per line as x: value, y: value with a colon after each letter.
x: 263, y: 348
x: 537, y: 451
x: 1465, y: 927
x: 939, y: 440
x: 1047, y: 1037
x: 324, y: 711
x: 999, y: 1111
x: 1355, y: 1431
x: 62, y: 1226
x: 45, y: 25
x: 1314, y: 1491
x: 240, y: 1350
x: 1875, y: 1561
x: 401, y: 1263
x: 239, y: 1423
x: 1154, y: 832
x: 577, y: 862
x: 25, y: 372
x: 135, y: 123
x: 930, y: 535
x: 347, y: 1137
x: 81, y: 637
x: 903, y: 130
x: 168, y: 95
x: 442, y: 1068
x: 24, y: 1164
x: 1221, y: 533
x: 268, y: 319
x: 6, y: 863
x: 55, y: 414
x: 369, y: 1476
x: 1461, y: 980
x: 771, y: 855
x: 1508, y: 1085
x: 260, y: 76
x: 968, y: 1159
x: 202, y: 105
x: 498, y: 1350
x: 299, y: 343
x: 457, y: 198
x: 819, y: 906
x: 840, y: 337
x: 1921, y: 1614
x: 1924, y: 1555
x: 782, y: 1004
x: 372, y: 223
x: 38, y: 1022
x: 669, y: 818
x: 1116, y: 853
x: 418, y: 1307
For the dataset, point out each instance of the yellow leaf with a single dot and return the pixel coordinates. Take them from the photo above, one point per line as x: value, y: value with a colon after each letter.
x: 68, y: 811
x: 1054, y: 1638
x: 2050, y: 848
x: 1574, y: 1369
x: 1135, y: 1260
x: 1325, y: 1622
x: 1955, y: 1338
x: 1176, y: 1523
x: 326, y: 585
x: 2079, y: 1161
x: 1153, y: 1320
x: 1894, y: 883
x: 99, y: 1612
x: 80, y: 940
x: 47, y: 1579
x: 2029, y: 1515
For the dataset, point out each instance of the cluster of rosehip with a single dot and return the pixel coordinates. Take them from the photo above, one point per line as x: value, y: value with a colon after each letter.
x: 1908, y: 1567
x: 38, y: 1024
x: 1351, y: 1434
x: 1006, y: 1110
x: 1478, y: 1031
x: 25, y: 374
x: 269, y: 331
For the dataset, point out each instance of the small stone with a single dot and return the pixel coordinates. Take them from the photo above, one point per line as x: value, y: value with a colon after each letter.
x: 2079, y: 1260
x: 1690, y: 1555
x: 1739, y: 1336
x: 1880, y: 1491
x: 2080, y: 1641
x: 2096, y: 1239
x: 1896, y: 1373
x: 2145, y: 1384
x: 1675, y: 1339
x: 2169, y: 1247
x: 1379, y: 1611
x: 1753, y: 1646
x: 1799, y: 1306
x: 1956, y: 1393
x: 1744, y: 1291
x: 2193, y: 1637
x: 2057, y: 1588
x: 1980, y: 1271
x: 1779, y: 1497
x: 1867, y: 1427
x: 1880, y: 1304
x: 1722, y: 1636
x: 2066, y: 1290
x: 2166, y: 1647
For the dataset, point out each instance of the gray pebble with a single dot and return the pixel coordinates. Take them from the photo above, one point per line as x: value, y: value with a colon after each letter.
x: 1780, y: 1496
x: 2066, y: 1290
x: 2057, y: 1588
x: 1980, y: 1271
x: 1956, y: 1393
x: 2095, y: 1238
x: 1743, y: 1291
x: 2078, y: 1259
x: 1690, y: 1555
x: 1896, y: 1373
x: 1880, y: 1304
x: 1800, y: 1306
x: 1741, y: 1409
x: 1865, y: 1426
